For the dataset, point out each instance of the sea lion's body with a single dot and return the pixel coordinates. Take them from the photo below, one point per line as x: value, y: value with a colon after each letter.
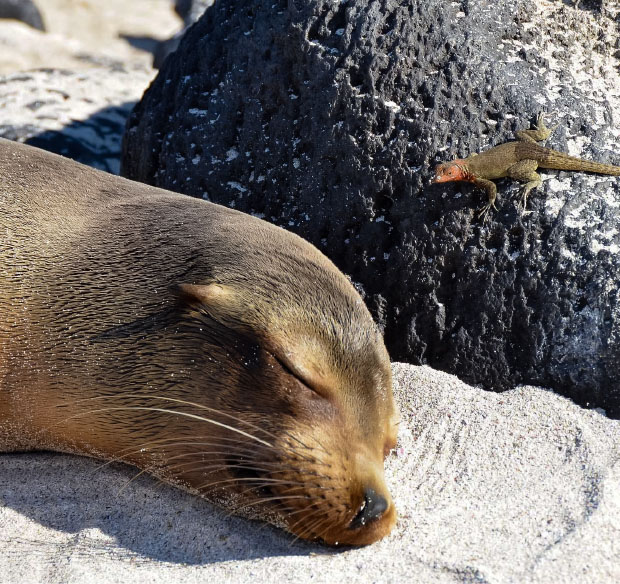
x: 204, y: 345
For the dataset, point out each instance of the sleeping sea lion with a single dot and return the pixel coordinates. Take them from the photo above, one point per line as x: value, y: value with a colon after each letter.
x: 201, y: 344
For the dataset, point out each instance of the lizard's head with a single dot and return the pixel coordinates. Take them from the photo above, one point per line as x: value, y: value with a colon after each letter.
x: 451, y: 171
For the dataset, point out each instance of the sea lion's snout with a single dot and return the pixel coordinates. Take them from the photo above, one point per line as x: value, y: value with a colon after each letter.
x: 373, y: 522
x: 373, y: 507
x: 337, y: 513
x: 372, y: 516
x: 375, y: 518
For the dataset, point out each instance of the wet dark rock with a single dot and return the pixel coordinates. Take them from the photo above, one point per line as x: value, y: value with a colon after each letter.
x: 328, y: 117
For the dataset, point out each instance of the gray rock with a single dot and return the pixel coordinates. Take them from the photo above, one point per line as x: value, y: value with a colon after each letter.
x: 23, y: 10
x: 81, y: 114
x: 190, y: 11
x: 328, y: 117
x: 166, y: 48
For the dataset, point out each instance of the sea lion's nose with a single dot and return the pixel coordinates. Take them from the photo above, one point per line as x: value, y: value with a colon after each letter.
x: 372, y: 508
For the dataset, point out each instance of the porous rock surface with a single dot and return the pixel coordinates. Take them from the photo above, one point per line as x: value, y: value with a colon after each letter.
x: 328, y: 117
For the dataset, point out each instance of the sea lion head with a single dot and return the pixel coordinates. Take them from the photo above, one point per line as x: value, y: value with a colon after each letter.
x: 313, y: 389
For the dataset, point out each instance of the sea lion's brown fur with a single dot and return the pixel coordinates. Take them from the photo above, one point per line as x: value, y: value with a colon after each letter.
x: 207, y: 346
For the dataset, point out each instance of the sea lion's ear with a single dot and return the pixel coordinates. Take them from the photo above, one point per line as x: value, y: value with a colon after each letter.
x: 205, y: 294
x: 221, y: 302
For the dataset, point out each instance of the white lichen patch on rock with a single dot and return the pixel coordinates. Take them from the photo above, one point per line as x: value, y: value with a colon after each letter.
x: 579, y: 47
x: 583, y: 44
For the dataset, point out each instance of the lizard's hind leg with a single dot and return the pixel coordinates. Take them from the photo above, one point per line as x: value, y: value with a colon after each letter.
x: 525, y: 171
x: 540, y: 133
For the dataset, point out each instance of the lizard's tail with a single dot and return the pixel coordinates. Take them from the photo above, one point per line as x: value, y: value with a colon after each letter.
x: 561, y: 161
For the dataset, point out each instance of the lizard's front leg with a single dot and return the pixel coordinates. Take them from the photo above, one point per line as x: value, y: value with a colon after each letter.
x: 540, y: 133
x: 491, y: 190
x: 525, y: 171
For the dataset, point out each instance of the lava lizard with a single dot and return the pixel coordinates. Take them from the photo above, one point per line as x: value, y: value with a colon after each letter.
x: 518, y: 160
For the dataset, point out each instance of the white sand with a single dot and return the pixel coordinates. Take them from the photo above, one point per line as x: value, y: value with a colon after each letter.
x: 516, y: 487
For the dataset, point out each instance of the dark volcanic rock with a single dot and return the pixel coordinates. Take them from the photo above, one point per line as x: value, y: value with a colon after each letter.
x: 328, y: 118
x: 24, y: 10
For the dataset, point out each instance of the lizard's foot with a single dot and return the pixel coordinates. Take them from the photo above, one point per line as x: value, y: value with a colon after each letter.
x: 522, y: 204
x: 542, y: 128
x: 541, y: 132
x: 483, y: 212
x: 532, y: 184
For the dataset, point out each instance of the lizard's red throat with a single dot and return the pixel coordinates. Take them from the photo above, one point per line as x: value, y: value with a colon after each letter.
x: 451, y: 171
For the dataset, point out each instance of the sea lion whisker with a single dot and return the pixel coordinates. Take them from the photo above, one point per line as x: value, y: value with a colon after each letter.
x: 308, y: 458
x: 307, y: 516
x: 303, y: 444
x: 132, y: 479
x: 285, y: 508
x: 296, y: 485
x: 161, y: 471
x: 204, y: 469
x: 308, y: 529
x: 188, y: 403
x: 258, y: 465
x: 320, y: 487
x: 226, y: 464
x: 329, y: 524
x: 288, y: 514
x: 314, y: 438
x: 161, y: 443
x: 164, y: 411
x: 201, y: 467
x: 223, y: 466
x: 291, y: 449
x: 263, y: 482
x: 262, y: 501
x: 291, y: 512
x: 253, y: 489
x: 313, y: 528
x: 172, y: 442
x: 236, y: 449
